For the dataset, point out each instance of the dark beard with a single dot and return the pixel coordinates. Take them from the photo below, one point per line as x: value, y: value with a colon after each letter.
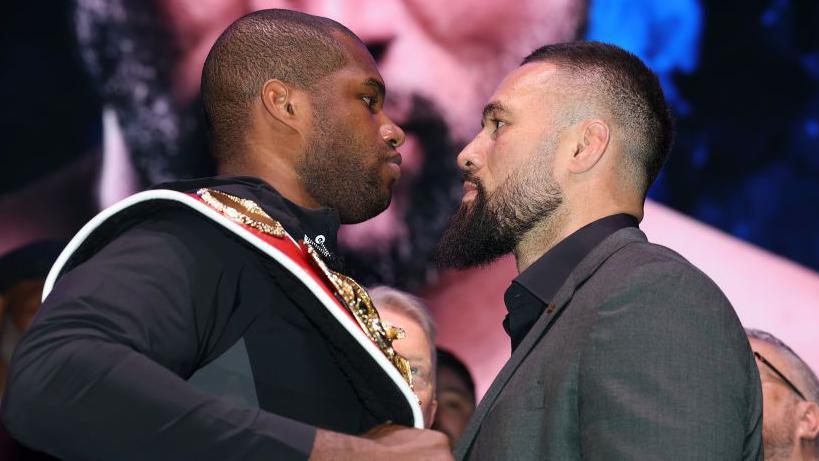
x: 474, y: 236
x: 338, y: 173
x: 492, y: 226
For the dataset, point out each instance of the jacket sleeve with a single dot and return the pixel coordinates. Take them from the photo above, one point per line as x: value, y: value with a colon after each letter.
x: 99, y: 375
x: 668, y: 373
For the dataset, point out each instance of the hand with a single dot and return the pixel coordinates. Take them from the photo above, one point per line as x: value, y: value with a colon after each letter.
x: 387, y: 442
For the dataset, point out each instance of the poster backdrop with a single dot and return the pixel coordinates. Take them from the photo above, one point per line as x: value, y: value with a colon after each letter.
x: 100, y: 100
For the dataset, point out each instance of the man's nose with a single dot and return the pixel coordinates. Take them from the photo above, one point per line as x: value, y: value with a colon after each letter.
x: 392, y: 134
x: 468, y: 159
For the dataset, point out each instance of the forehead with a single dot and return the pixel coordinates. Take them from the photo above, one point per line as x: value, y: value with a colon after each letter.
x: 529, y: 83
x: 415, y: 332
x: 360, y: 62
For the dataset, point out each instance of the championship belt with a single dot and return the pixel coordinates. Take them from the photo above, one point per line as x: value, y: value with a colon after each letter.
x: 351, y: 296
x: 345, y: 303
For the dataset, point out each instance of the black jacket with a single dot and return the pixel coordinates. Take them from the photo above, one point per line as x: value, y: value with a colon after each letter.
x: 167, y: 337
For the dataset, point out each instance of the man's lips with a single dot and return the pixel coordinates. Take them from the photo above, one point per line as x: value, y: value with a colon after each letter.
x: 470, y: 191
x: 394, y: 164
x: 396, y: 159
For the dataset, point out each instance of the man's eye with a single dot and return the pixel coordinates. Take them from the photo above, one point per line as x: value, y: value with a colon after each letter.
x: 499, y: 124
x: 369, y: 101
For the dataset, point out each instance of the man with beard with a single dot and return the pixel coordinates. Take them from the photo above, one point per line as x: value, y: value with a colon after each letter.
x: 188, y: 322
x: 146, y: 58
x: 621, y: 348
x: 790, y: 394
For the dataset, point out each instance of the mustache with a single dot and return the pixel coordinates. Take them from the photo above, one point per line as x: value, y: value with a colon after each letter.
x: 470, y: 177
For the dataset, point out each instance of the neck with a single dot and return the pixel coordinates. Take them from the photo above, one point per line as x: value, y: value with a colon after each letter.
x: 806, y: 450
x: 554, y: 229
x: 273, y: 167
x: 541, y: 238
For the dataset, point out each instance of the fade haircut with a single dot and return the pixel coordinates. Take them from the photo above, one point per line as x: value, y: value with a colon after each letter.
x: 610, y: 79
x: 390, y: 299
x: 294, y: 47
x: 805, y: 377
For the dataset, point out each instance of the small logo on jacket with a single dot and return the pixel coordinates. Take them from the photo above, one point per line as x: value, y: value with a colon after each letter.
x: 318, y: 245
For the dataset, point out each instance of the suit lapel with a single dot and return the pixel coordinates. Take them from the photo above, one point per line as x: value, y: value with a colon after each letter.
x: 582, y: 272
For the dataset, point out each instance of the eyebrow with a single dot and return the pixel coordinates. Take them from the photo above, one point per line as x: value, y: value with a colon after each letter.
x: 492, y: 108
x: 378, y: 85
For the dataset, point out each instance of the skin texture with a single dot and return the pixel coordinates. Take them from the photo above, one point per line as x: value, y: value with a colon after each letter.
x: 351, y: 163
x: 790, y: 425
x: 344, y: 159
x: 456, y: 404
x: 415, y: 347
x: 524, y: 114
x: 516, y: 187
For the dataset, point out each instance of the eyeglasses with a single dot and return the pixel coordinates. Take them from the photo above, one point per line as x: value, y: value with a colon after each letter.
x: 779, y: 373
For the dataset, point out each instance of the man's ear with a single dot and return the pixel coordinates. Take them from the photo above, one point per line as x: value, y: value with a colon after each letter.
x: 807, y: 425
x: 284, y: 103
x: 592, y: 140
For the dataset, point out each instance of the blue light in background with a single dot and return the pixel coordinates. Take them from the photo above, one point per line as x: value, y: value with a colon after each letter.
x: 773, y: 14
x: 665, y: 34
x: 812, y: 127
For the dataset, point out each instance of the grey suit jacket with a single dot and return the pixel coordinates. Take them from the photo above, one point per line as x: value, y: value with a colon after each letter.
x: 639, y: 357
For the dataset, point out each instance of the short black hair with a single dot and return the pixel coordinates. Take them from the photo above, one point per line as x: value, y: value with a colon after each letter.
x: 449, y: 360
x: 620, y: 83
x: 294, y: 47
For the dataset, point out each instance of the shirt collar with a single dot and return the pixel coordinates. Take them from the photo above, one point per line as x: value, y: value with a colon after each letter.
x: 537, y: 286
x: 546, y: 275
x: 320, y: 225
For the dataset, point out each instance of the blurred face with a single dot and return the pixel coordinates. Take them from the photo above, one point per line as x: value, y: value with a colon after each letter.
x: 509, y: 181
x: 416, y: 348
x: 440, y: 64
x: 456, y: 404
x: 351, y: 162
x: 779, y: 402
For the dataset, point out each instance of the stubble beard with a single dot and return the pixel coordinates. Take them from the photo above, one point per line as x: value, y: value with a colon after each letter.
x: 494, y: 224
x: 336, y: 173
x: 779, y: 438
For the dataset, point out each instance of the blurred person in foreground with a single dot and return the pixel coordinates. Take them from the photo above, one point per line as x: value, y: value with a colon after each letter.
x: 416, y: 342
x: 790, y: 394
x: 455, y: 390
x: 206, y: 319
x: 622, y: 349
x: 146, y: 58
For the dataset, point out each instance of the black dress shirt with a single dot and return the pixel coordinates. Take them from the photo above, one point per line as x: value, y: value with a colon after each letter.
x: 532, y: 291
x: 107, y: 369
